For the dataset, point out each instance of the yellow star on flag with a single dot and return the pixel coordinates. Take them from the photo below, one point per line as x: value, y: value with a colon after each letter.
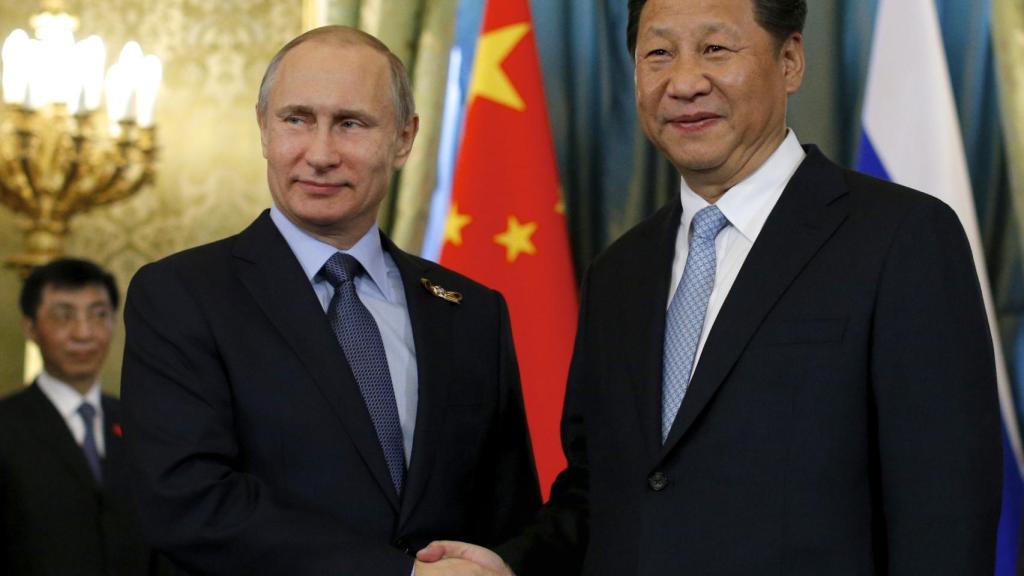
x: 517, y: 239
x: 454, y: 224
x: 489, y: 78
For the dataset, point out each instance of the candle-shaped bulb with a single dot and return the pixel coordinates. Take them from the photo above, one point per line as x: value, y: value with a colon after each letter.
x: 16, y: 70
x: 93, y: 56
x: 146, y: 90
x: 118, y: 91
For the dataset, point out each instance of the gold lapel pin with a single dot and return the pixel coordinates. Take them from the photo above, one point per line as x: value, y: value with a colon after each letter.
x: 447, y: 295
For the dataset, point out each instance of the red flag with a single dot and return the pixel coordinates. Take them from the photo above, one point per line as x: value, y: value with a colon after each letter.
x: 506, y: 225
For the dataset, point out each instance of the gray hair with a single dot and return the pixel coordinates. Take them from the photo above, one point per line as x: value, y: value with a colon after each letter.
x: 401, y: 87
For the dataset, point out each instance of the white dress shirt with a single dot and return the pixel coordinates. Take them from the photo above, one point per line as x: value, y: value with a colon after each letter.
x: 67, y: 400
x: 747, y: 206
x: 381, y: 291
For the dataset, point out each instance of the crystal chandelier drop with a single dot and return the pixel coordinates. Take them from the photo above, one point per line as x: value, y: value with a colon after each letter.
x: 60, y: 155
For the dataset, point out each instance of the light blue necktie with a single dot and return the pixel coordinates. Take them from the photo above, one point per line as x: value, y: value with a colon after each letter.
x: 685, y: 320
x: 92, y: 454
x: 360, y: 340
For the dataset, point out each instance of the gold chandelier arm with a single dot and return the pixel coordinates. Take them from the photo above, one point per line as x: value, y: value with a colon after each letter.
x: 13, y: 200
x: 139, y: 155
x: 83, y: 170
x: 73, y: 162
x: 14, y: 191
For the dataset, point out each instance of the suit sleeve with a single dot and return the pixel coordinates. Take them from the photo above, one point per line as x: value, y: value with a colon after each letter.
x: 511, y: 496
x: 555, y: 541
x: 935, y: 398
x: 195, y: 503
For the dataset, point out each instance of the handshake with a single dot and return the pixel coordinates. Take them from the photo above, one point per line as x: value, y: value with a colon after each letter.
x: 448, y: 558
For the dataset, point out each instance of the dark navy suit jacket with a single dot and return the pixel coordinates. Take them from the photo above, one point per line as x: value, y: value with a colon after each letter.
x: 842, y: 418
x: 54, y: 518
x: 252, y: 449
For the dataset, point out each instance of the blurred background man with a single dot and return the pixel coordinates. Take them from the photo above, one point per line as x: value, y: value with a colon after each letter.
x: 64, y: 494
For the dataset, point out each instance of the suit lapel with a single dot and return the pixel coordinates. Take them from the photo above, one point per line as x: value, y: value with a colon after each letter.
x: 276, y: 281
x: 806, y: 215
x: 643, y: 318
x: 431, y: 320
x: 49, y: 427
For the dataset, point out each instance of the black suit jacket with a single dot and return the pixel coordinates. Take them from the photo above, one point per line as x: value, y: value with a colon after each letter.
x: 252, y: 448
x: 54, y: 519
x: 842, y: 418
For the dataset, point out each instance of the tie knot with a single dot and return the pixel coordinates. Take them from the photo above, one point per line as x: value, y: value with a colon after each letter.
x: 340, y: 268
x: 708, y: 223
x: 87, y: 412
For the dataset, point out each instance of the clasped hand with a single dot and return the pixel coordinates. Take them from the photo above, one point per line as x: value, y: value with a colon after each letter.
x: 448, y: 558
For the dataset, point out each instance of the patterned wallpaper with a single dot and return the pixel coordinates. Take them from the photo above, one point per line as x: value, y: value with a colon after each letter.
x: 210, y: 177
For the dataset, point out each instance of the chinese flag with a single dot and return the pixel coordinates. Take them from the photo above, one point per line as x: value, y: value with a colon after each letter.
x: 506, y: 224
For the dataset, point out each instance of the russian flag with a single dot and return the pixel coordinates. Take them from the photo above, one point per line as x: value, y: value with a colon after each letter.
x: 911, y: 135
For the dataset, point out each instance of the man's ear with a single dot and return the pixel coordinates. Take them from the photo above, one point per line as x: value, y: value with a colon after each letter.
x: 262, y: 123
x: 793, y: 61
x: 405, y: 140
x: 28, y: 328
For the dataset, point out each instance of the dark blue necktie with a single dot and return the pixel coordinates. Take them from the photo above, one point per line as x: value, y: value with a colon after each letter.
x: 92, y: 453
x: 360, y: 340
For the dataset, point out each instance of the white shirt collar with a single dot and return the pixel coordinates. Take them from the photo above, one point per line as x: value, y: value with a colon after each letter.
x: 313, y: 253
x: 748, y: 204
x: 65, y: 398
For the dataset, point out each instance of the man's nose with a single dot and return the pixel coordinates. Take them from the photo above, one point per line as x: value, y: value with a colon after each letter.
x: 688, y: 79
x: 322, y: 153
x: 82, y: 327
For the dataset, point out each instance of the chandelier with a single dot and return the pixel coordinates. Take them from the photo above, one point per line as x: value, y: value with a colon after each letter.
x: 59, y: 155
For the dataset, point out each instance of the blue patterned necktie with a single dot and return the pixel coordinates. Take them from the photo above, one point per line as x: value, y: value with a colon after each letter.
x: 360, y: 340
x: 685, y: 320
x: 92, y: 454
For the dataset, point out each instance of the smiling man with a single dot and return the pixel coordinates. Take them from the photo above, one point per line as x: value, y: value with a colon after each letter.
x: 801, y: 381
x: 300, y: 400
x: 64, y: 492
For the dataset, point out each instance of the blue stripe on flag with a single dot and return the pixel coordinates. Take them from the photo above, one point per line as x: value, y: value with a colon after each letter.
x: 1008, y: 542
x: 868, y: 161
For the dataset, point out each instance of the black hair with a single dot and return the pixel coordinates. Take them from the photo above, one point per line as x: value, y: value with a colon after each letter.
x: 64, y: 273
x: 780, y: 18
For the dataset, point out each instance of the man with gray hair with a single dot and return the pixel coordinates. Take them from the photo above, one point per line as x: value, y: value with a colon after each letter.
x: 304, y: 397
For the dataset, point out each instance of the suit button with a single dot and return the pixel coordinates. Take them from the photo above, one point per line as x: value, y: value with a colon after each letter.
x: 657, y: 481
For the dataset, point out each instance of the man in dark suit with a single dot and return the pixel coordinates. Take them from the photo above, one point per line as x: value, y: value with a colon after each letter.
x: 64, y: 495
x: 304, y: 397
x: 786, y: 370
